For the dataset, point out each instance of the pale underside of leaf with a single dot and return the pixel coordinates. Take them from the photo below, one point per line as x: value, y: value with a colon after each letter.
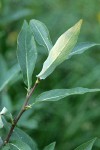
x: 60, y: 50
x: 57, y: 94
x: 1, y: 122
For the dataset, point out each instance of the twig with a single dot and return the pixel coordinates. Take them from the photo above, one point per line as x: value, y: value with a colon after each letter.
x: 23, y: 109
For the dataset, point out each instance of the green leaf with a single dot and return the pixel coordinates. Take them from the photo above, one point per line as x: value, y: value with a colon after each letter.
x: 16, y: 15
x: 50, y: 146
x: 86, y: 146
x: 19, y: 145
x: 19, y: 135
x: 9, y: 76
x: 81, y: 48
x: 41, y: 34
x: 1, y: 141
x: 16, y: 145
x: 27, y: 53
x: 57, y: 94
x: 3, y: 66
x: 6, y: 147
x: 60, y: 50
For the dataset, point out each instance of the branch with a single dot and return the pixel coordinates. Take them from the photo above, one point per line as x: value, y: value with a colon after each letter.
x: 23, y: 109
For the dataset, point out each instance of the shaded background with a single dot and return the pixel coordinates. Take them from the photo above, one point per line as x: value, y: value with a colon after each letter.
x: 75, y: 119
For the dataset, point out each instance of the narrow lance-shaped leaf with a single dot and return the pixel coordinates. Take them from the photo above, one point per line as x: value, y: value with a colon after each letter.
x: 58, y: 94
x: 86, y: 146
x: 27, y: 53
x: 60, y: 50
x: 50, y: 146
x: 41, y: 34
x: 81, y: 48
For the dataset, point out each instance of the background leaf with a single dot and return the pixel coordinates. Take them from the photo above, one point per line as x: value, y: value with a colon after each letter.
x: 9, y: 76
x: 60, y: 50
x: 19, y: 14
x: 27, y: 53
x: 86, y: 146
x: 41, y: 34
x: 81, y: 48
x: 57, y: 94
x: 50, y: 146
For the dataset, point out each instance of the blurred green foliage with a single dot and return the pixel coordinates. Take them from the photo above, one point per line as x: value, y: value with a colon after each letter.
x: 72, y: 121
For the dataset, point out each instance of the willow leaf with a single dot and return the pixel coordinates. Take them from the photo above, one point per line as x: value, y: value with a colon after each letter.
x: 86, y: 146
x: 27, y: 53
x: 58, y: 94
x: 50, y: 146
x: 19, y: 145
x: 41, y: 34
x: 81, y: 48
x: 60, y: 50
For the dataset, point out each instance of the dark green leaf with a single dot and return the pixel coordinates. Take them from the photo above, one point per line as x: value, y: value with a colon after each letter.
x: 57, y: 94
x: 81, y: 47
x: 41, y: 34
x: 27, y: 53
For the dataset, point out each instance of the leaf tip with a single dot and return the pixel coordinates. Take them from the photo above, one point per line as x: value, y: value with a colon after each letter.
x: 80, y: 23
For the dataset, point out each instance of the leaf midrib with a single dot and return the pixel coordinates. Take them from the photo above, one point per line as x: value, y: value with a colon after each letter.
x: 15, y: 146
x: 26, y: 59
